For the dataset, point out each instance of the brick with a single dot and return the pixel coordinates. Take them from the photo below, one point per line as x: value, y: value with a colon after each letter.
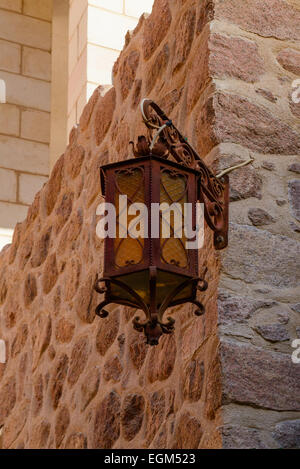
x: 294, y: 197
x: 132, y: 415
x: 10, y: 214
x: 29, y: 185
x: 188, y: 432
x: 290, y: 60
x: 260, y: 217
x: 238, y: 437
x: 268, y: 165
x: 273, y: 332
x: 184, y: 37
x: 38, y: 8
x: 104, y: 114
x: 74, y: 158
x: 295, y: 228
x: 82, y: 33
x: 268, y: 18
x: 2, y: 91
x: 136, y: 94
x: 170, y: 100
x: 75, y: 13
x: 107, y: 421
x: 9, y: 119
x: 100, y: 62
x: 36, y: 63
x: 109, y: 22
x: 15, y: 423
x: 71, y: 119
x: 14, y: 5
x: 295, y: 167
x: 257, y: 256
x: 8, y: 185
x: 10, y: 57
x: 234, y: 57
x: 61, y: 424
x: 81, y: 102
x: 88, y: 110
x: 153, y: 72
x: 22, y: 154
x: 7, y: 397
x: 234, y: 310
x: 206, y: 14
x: 90, y: 387
x: 76, y: 441
x: 77, y: 81
x: 26, y: 91
x: 25, y: 30
x: 127, y: 72
x: 245, y: 183
x: 294, y: 106
x: 162, y: 359
x: 79, y: 357
x: 134, y: 8
x: 112, y: 5
x: 73, y: 51
x: 267, y: 94
x: 239, y: 120
x: 156, y: 27
x: 199, y: 71
x: 287, y: 434
x: 35, y: 125
x: 254, y: 376
x: 107, y: 333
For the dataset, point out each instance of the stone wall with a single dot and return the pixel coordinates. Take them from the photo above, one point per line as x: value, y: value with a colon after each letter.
x: 25, y: 66
x: 73, y: 380
x: 255, y: 52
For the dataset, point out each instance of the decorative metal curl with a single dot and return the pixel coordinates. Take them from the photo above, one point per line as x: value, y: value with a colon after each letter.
x: 154, y: 325
x: 168, y: 141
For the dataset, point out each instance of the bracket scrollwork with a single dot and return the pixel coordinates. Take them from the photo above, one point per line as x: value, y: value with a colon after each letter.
x: 165, y: 140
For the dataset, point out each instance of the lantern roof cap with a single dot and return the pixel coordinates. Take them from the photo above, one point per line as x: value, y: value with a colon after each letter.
x: 141, y: 159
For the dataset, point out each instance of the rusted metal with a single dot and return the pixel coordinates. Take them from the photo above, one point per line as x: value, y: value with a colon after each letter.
x: 171, y: 143
x: 163, y: 151
x: 152, y: 167
x: 153, y: 325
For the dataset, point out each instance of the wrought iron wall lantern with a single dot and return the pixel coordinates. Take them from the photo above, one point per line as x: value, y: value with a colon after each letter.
x: 155, y: 273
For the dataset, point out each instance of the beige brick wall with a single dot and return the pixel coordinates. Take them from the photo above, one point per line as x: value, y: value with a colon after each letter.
x: 96, y: 36
x: 36, y: 63
x: 91, y: 35
x: 77, y: 64
x: 59, y: 78
x: 25, y: 66
x: 10, y: 56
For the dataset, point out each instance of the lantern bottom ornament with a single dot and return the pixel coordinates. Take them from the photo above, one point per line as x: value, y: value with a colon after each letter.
x: 154, y: 324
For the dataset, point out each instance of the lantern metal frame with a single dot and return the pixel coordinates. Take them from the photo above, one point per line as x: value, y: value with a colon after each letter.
x: 164, y: 141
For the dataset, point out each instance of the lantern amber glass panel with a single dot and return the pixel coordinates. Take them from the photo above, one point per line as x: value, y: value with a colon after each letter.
x: 150, y: 273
